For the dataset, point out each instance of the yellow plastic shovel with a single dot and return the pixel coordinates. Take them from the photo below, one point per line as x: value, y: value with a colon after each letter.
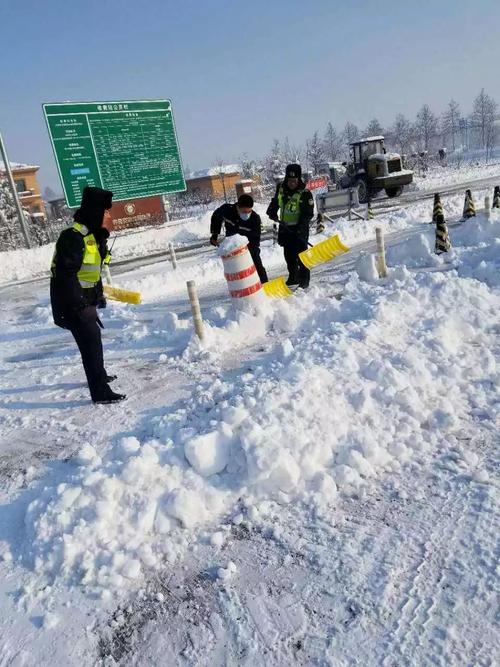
x: 117, y: 294
x: 323, y: 252
x: 277, y: 288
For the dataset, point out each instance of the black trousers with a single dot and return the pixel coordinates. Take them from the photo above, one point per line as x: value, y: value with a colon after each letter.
x: 297, y: 272
x: 87, y: 335
x: 254, y: 250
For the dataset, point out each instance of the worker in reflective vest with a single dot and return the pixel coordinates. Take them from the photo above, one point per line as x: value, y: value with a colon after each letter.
x: 292, y: 207
x: 76, y: 286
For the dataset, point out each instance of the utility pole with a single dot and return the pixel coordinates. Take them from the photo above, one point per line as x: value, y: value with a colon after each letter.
x: 15, y: 196
x: 222, y: 177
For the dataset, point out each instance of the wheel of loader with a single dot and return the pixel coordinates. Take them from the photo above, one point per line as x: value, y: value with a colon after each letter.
x: 362, y: 191
x: 393, y: 192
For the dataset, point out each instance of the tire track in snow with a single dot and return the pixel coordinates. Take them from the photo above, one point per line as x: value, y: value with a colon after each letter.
x: 419, y: 599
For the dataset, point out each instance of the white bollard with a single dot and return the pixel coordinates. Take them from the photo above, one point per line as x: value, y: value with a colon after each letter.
x: 242, y: 278
x: 173, y: 258
x: 195, y: 308
x: 487, y: 206
x: 381, y: 265
x: 106, y: 274
x: 275, y: 233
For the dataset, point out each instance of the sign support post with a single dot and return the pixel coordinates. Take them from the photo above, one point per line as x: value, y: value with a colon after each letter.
x: 15, y: 196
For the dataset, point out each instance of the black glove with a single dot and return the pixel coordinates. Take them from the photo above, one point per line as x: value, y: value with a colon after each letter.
x: 101, y: 302
x: 213, y: 240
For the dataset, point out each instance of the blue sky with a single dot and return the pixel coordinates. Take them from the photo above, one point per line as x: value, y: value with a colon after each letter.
x: 242, y: 73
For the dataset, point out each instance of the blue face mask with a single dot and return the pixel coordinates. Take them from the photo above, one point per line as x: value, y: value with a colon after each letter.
x: 245, y: 216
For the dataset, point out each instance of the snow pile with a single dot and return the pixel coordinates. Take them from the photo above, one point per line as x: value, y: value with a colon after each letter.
x: 347, y: 389
x: 418, y: 251
x: 483, y: 260
x: 366, y: 267
x: 231, y: 243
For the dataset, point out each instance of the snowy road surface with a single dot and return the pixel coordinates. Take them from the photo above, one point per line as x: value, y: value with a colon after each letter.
x: 353, y: 517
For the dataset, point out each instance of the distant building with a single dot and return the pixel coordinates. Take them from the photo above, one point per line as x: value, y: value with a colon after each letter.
x: 215, y: 183
x: 27, y: 186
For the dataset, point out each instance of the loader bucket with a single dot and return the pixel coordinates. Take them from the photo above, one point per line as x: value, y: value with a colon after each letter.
x: 323, y: 252
x: 277, y: 288
x: 117, y: 294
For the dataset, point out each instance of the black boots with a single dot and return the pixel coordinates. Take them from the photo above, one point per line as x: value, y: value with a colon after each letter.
x: 109, y: 397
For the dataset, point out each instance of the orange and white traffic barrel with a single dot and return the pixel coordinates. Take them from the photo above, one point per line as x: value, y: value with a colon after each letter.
x: 242, y: 278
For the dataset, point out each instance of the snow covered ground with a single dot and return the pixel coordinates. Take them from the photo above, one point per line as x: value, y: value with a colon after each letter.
x: 440, y: 177
x: 315, y: 485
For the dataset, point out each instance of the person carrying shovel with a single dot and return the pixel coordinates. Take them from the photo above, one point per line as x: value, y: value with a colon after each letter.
x: 292, y: 207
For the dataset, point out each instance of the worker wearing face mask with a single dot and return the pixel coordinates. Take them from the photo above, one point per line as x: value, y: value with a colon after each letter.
x: 240, y: 218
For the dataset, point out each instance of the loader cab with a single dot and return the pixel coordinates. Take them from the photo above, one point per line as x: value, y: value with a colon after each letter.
x: 361, y: 150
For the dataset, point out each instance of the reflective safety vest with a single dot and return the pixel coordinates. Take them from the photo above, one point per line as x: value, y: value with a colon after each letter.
x: 289, y: 208
x: 90, y: 271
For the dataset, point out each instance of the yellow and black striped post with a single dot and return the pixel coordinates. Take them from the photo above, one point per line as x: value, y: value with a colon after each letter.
x: 496, y: 197
x: 469, y: 208
x: 443, y: 243
x: 437, y: 208
x: 369, y: 211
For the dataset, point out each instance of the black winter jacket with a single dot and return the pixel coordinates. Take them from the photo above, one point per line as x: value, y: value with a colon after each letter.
x: 305, y: 217
x: 228, y: 214
x: 67, y: 296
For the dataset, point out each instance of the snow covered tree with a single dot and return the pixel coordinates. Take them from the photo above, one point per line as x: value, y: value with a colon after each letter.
x: 248, y: 167
x: 482, y: 118
x: 350, y: 134
x: 274, y: 163
x: 374, y: 129
x: 401, y: 134
x: 332, y: 144
x: 450, y: 123
x: 10, y: 234
x: 315, y: 152
x: 426, y: 128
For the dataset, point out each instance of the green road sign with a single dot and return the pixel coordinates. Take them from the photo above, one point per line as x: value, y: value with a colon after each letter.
x: 129, y: 148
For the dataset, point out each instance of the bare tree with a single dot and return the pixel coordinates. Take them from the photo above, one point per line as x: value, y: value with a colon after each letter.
x: 401, y: 134
x: 315, y: 152
x: 220, y: 170
x: 49, y: 194
x: 450, y: 122
x: 374, y: 129
x: 332, y: 144
x: 292, y: 153
x: 426, y: 127
x: 482, y: 118
x: 350, y: 134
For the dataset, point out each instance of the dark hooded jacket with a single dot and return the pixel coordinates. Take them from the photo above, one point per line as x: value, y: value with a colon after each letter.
x: 67, y: 296
x: 228, y: 215
x: 306, y: 208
